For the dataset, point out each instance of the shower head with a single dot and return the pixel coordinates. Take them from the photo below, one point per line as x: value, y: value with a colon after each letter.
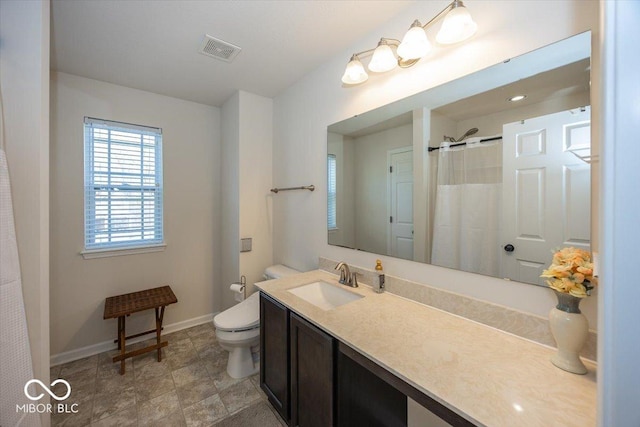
x: 467, y: 134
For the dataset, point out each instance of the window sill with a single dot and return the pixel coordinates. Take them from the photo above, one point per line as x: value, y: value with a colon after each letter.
x: 333, y: 230
x: 110, y: 252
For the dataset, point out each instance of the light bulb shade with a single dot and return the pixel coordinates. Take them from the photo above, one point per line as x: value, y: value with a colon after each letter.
x: 415, y: 44
x: 354, y: 73
x: 457, y: 26
x: 383, y: 59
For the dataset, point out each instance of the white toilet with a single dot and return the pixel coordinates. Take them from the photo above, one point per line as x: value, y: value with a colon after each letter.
x: 238, y: 329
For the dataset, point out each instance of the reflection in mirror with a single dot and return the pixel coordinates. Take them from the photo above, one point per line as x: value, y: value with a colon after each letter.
x: 467, y: 176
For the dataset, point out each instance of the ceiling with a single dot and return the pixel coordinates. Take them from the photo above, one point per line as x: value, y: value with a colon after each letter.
x: 563, y: 81
x: 153, y: 45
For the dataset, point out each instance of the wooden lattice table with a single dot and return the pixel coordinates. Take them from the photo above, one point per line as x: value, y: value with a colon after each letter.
x: 121, y: 306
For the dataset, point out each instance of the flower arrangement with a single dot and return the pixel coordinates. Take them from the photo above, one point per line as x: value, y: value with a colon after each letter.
x: 571, y: 272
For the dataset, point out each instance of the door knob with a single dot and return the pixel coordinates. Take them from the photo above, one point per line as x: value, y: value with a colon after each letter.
x: 509, y: 247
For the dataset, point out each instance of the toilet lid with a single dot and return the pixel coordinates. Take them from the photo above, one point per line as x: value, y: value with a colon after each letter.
x: 241, y: 316
x: 277, y: 271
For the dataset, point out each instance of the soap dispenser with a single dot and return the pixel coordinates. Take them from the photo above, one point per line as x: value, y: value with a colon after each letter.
x: 378, y: 285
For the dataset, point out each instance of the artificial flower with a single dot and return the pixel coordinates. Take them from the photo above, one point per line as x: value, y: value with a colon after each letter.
x: 571, y: 272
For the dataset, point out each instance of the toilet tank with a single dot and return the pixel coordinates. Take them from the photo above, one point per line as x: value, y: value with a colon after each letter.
x: 277, y: 271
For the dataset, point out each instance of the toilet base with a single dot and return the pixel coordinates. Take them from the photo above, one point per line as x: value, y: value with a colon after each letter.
x: 241, y: 364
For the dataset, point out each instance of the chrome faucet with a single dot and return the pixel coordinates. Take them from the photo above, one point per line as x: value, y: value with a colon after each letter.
x: 346, y: 277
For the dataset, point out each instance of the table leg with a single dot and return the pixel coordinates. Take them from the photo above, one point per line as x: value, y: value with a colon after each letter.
x: 159, y: 317
x: 121, y: 341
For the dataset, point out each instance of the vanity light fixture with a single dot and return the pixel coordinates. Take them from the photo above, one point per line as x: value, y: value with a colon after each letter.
x: 383, y: 59
x: 457, y: 26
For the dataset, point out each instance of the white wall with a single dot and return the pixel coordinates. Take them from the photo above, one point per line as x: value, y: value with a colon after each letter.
x: 303, y: 111
x: 230, y: 198
x: 371, y: 174
x: 256, y: 148
x: 247, y: 135
x: 191, y: 261
x: 24, y: 80
x: 619, y: 336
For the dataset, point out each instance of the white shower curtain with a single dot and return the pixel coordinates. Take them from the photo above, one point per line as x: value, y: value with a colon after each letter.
x: 468, y: 207
x: 15, y: 355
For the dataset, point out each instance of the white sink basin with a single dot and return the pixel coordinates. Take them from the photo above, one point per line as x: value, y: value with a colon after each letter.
x: 324, y: 295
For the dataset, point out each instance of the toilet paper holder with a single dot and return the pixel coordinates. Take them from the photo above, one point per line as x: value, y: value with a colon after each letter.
x: 242, y: 285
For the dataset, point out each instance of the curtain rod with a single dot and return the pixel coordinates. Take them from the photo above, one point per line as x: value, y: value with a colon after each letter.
x: 495, y: 138
x: 308, y: 187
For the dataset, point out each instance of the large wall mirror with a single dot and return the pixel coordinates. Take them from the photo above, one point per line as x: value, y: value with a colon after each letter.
x: 465, y: 175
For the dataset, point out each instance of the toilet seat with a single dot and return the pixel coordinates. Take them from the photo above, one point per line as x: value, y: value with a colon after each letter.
x: 241, y: 317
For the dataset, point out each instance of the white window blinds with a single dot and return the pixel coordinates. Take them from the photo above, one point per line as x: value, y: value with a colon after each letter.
x: 122, y: 184
x: 331, y: 192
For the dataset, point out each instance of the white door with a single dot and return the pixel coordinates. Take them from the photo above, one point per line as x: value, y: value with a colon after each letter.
x: 400, y: 184
x: 546, y: 192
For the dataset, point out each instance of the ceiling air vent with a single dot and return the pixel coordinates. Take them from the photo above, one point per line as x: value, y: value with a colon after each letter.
x: 219, y: 49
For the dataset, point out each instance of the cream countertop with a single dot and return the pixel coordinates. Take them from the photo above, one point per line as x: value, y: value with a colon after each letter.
x: 489, y: 377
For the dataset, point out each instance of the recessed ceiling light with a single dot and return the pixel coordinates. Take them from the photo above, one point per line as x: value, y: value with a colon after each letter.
x: 517, y: 98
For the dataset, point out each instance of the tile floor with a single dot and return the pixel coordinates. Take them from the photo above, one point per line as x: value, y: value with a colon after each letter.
x: 190, y: 387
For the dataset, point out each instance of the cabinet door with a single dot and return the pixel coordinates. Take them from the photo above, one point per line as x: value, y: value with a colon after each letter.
x: 274, y: 353
x: 312, y: 375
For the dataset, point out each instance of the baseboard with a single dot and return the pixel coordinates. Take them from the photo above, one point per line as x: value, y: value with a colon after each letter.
x: 90, y: 350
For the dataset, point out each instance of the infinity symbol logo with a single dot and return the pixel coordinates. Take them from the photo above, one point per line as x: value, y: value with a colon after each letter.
x: 47, y: 389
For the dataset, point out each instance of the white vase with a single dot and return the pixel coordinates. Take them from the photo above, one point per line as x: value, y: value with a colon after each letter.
x: 570, y: 329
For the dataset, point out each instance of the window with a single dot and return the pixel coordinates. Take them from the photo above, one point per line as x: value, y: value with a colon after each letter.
x: 122, y: 185
x: 331, y: 192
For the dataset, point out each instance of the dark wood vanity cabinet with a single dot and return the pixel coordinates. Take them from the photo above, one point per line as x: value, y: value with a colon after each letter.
x: 312, y: 379
x: 274, y: 353
x: 312, y: 375
x: 363, y: 397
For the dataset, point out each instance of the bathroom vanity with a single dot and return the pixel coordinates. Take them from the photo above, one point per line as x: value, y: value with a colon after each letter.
x: 361, y: 360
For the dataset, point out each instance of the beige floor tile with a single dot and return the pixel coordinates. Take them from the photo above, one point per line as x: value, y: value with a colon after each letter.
x: 215, y: 365
x: 112, y: 369
x: 83, y: 386
x: 205, y: 412
x: 189, y: 374
x: 108, y: 404
x: 239, y: 396
x: 222, y: 380
x: 175, y: 419
x: 257, y: 415
x: 86, y: 364
x: 175, y: 336
x: 150, y: 370
x: 200, y: 329
x: 114, y: 383
x: 179, y: 347
x: 213, y: 351
x: 151, y: 411
x: 54, y: 372
x: 154, y: 387
x: 189, y: 387
x: 182, y: 359
x: 81, y: 419
x: 204, y: 340
x: 196, y: 391
x: 255, y: 379
x: 146, y: 359
x: 125, y: 418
